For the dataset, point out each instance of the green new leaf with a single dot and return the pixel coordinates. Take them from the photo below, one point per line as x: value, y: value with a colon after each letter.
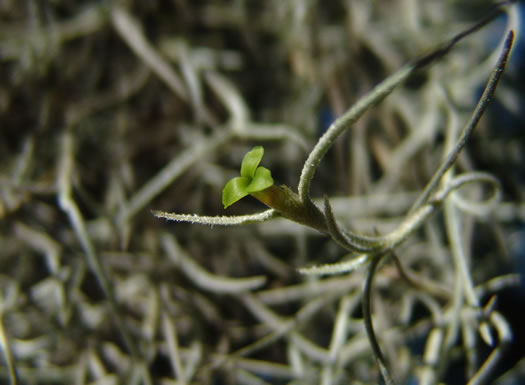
x: 261, y: 180
x: 253, y: 178
x: 235, y: 190
x: 250, y: 162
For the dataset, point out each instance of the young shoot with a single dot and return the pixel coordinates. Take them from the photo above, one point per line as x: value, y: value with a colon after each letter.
x: 253, y: 179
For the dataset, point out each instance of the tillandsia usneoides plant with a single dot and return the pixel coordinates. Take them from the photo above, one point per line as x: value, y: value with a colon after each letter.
x: 371, y: 249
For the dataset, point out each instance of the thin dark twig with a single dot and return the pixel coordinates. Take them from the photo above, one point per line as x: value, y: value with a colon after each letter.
x: 367, y: 318
x: 471, y: 125
x: 442, y: 50
x: 408, y: 276
x: 347, y: 240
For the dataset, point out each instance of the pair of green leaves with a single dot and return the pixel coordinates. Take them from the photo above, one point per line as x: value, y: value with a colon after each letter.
x: 253, y: 178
